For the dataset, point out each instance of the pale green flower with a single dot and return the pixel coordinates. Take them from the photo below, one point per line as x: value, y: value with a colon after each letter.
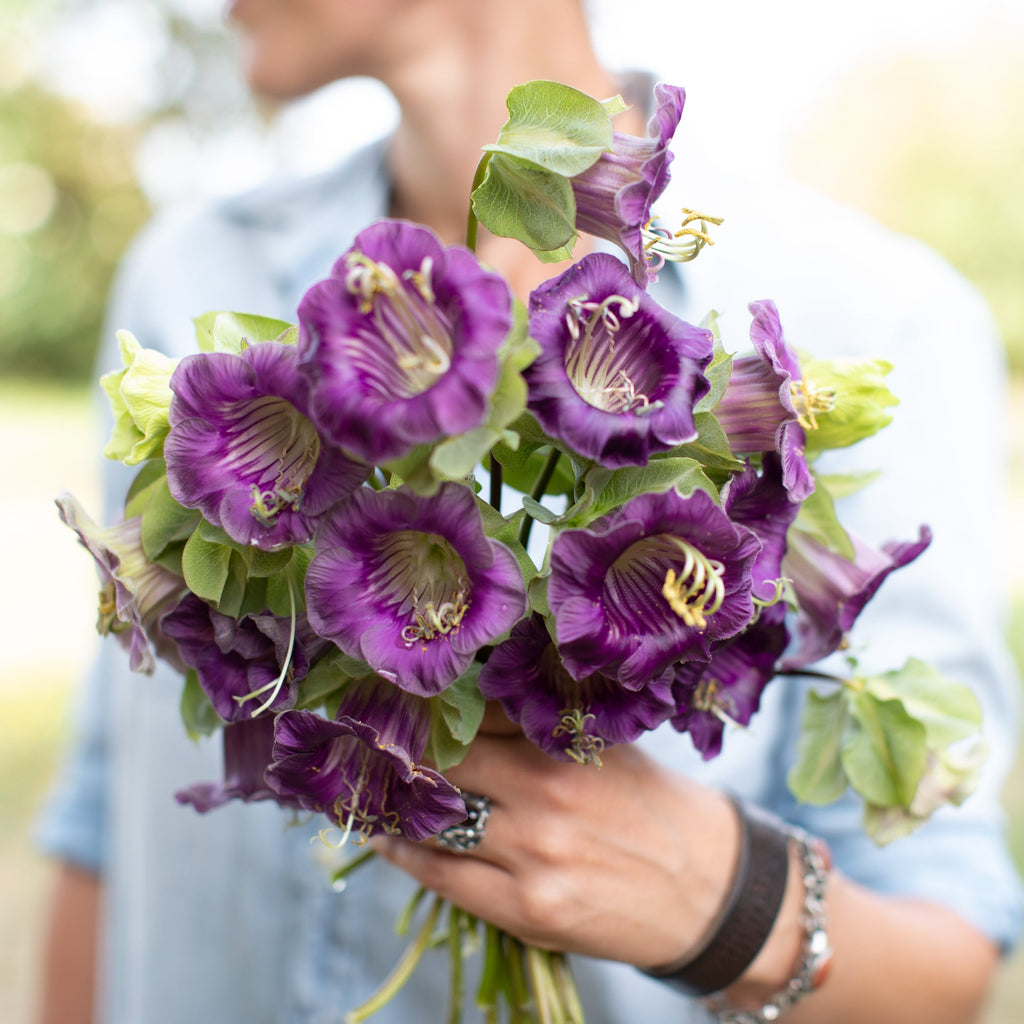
x: 140, y: 398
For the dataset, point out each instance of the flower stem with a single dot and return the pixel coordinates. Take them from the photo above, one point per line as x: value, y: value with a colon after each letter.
x: 539, y: 487
x: 455, y: 926
x: 472, y: 224
x: 810, y: 673
x: 402, y: 970
x: 494, y: 467
x: 342, y: 873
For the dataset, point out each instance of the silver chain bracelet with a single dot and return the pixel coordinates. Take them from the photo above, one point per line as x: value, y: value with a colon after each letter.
x: 815, y: 950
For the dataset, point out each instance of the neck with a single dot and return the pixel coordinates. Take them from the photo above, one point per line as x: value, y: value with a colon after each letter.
x: 451, y: 82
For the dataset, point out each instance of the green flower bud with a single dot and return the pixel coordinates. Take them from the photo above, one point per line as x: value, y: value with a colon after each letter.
x: 140, y: 398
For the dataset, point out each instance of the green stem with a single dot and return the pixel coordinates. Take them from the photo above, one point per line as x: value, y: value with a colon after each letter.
x: 487, y: 990
x: 539, y: 487
x: 455, y: 927
x: 494, y: 467
x: 568, y: 993
x: 539, y: 968
x: 811, y: 673
x: 402, y: 970
x: 472, y: 224
x: 340, y: 874
x: 405, y: 918
x: 519, y: 989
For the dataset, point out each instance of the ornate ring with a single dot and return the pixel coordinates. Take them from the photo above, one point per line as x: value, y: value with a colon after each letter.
x: 466, y: 836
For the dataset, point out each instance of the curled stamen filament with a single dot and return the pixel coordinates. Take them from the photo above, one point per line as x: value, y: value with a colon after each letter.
x: 709, y: 698
x: 808, y: 400
x: 698, y: 590
x: 434, y: 621
x: 664, y: 245
x: 584, y: 746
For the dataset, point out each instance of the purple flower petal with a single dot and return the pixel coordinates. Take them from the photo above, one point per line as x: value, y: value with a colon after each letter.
x: 135, y: 593
x: 757, y: 410
x: 239, y: 661
x: 729, y: 687
x: 565, y: 717
x: 761, y: 503
x: 660, y: 579
x: 356, y: 770
x: 412, y: 585
x: 615, y: 195
x: 617, y: 375
x: 243, y: 451
x: 401, y: 342
x: 832, y: 591
x: 248, y: 746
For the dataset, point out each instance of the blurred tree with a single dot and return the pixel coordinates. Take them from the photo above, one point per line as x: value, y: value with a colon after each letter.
x: 934, y: 147
x: 68, y: 206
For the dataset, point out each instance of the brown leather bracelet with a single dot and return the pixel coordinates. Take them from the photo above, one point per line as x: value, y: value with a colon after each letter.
x: 748, y: 913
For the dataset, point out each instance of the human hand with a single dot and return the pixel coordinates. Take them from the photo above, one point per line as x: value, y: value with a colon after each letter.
x: 627, y: 862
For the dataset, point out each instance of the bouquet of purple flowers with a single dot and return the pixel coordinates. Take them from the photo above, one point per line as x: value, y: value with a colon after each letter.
x: 316, y: 536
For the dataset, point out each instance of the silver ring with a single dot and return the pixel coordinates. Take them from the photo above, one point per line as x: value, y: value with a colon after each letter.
x: 466, y: 836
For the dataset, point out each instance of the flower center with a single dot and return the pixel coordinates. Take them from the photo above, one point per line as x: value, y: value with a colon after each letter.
x: 584, y: 746
x: 708, y: 697
x: 809, y: 400
x: 424, y: 579
x: 609, y: 377
x: 411, y: 344
x: 363, y: 806
x: 276, y: 448
x: 665, y: 574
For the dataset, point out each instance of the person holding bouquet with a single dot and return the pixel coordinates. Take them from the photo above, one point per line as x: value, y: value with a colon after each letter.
x: 686, y: 884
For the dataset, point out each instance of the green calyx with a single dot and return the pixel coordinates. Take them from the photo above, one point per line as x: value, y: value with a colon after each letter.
x: 553, y: 133
x: 140, y: 399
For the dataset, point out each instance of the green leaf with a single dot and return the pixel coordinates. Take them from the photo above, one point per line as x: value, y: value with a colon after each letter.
x: 817, y: 518
x: 164, y: 521
x: 719, y: 371
x: 456, y: 714
x: 711, y: 449
x: 558, y: 128
x: 949, y: 711
x: 842, y: 485
x: 141, y: 489
x: 609, y: 490
x: 818, y: 777
x: 884, y: 755
x: 197, y: 712
x: 232, y: 596
x: 205, y: 566
x: 520, y: 200
x: 324, y: 681
x: 233, y: 332
x: 290, y: 580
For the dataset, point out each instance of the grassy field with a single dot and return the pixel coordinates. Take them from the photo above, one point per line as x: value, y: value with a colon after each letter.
x: 48, y: 440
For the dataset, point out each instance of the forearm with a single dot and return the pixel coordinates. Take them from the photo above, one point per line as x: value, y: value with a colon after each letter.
x: 67, y: 980
x: 898, y: 960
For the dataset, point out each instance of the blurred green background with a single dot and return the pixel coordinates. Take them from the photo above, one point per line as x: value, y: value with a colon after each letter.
x: 930, y: 143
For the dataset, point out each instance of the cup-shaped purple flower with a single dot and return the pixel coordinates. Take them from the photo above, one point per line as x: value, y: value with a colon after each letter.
x: 243, y: 450
x: 567, y: 717
x: 614, y: 196
x: 728, y: 688
x: 245, y: 664
x: 412, y: 585
x: 831, y: 590
x: 361, y: 768
x: 248, y: 749
x: 401, y: 341
x: 760, y: 502
x: 761, y: 408
x: 617, y: 375
x: 134, y: 592
x: 661, y: 579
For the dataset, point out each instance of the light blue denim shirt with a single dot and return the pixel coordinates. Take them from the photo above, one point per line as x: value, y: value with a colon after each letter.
x: 230, y: 918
